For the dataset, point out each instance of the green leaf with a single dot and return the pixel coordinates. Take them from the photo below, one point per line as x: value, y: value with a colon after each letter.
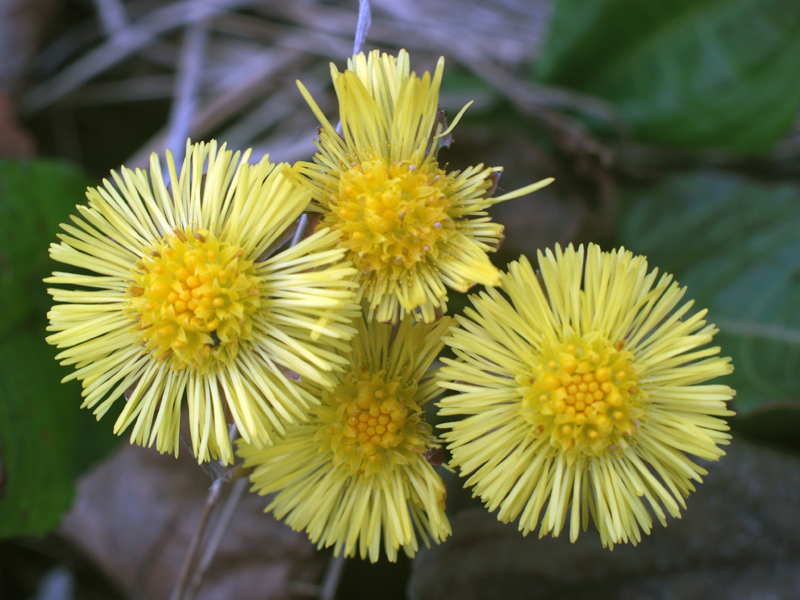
x: 37, y: 423
x: 694, y: 73
x: 775, y: 423
x: 736, y: 244
x: 35, y: 196
x: 46, y: 441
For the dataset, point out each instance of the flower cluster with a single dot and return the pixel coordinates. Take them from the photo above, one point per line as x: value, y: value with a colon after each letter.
x: 411, y: 228
x: 357, y: 472
x: 179, y: 295
x: 585, y: 394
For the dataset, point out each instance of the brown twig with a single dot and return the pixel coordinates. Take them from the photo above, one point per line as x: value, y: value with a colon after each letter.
x: 113, y: 16
x: 194, y: 545
x: 186, y: 84
x: 124, y: 43
x: 260, y: 80
x: 333, y: 574
x: 131, y: 89
x: 283, y: 35
x: 544, y: 104
x: 216, y: 538
x: 278, y: 107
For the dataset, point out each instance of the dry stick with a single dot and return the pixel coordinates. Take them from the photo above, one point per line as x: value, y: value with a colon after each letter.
x: 223, y: 106
x: 132, y: 89
x: 539, y: 102
x: 529, y: 97
x: 123, y: 44
x: 290, y: 148
x: 395, y: 24
x: 216, y: 537
x: 271, y: 111
x: 112, y: 15
x: 78, y: 39
x: 282, y: 35
x: 502, y: 33
x: 194, y: 544
x: 183, y: 108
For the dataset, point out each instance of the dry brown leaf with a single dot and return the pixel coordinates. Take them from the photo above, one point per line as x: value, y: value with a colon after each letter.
x: 15, y: 141
x: 135, y: 514
x: 739, y: 539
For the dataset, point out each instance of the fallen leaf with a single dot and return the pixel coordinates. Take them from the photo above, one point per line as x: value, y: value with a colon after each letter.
x: 738, y: 538
x: 15, y: 141
x: 136, y: 512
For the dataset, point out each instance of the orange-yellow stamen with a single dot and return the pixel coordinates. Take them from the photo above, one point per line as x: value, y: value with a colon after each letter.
x: 583, y: 395
x: 193, y: 296
x: 392, y: 216
x: 375, y: 417
x: 372, y: 422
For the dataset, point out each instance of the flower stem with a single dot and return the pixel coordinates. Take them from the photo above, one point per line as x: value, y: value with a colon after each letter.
x: 216, y: 537
x: 194, y: 544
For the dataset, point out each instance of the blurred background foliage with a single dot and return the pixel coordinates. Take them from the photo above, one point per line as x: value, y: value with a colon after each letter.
x: 671, y: 127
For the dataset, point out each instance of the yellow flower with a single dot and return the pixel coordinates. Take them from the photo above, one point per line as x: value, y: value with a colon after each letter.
x: 410, y: 226
x: 584, y: 394
x: 357, y: 473
x: 178, y: 294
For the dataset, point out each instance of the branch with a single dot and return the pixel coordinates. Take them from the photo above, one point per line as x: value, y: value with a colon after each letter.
x: 194, y: 544
x: 216, y: 537
x: 122, y: 45
x: 186, y: 83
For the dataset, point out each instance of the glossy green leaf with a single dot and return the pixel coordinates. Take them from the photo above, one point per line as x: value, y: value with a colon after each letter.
x: 37, y: 430
x: 46, y: 440
x: 35, y: 196
x: 736, y: 244
x: 693, y: 73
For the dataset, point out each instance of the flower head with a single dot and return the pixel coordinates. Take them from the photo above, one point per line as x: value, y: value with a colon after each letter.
x: 584, y: 394
x: 411, y: 227
x: 179, y: 295
x: 356, y: 477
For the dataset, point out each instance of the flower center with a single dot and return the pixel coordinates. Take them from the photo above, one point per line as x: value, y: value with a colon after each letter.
x: 374, y: 421
x: 391, y: 216
x: 375, y: 418
x: 583, y: 394
x: 192, y: 297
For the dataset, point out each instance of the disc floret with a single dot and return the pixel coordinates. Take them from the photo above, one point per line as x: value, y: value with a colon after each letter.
x: 583, y: 395
x: 192, y: 296
x: 373, y: 422
x: 392, y: 216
